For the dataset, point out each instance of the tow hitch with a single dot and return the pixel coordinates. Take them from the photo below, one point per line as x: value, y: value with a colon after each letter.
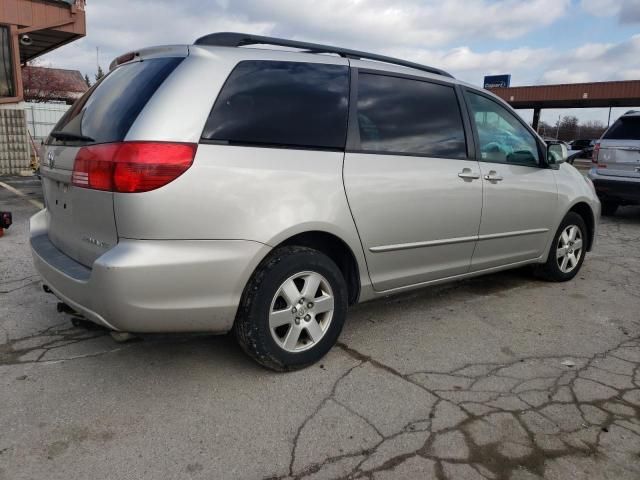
x: 79, y: 321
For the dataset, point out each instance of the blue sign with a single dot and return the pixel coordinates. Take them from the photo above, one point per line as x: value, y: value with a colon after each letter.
x: 497, y: 81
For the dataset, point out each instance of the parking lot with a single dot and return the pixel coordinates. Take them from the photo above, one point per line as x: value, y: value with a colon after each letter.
x: 500, y: 377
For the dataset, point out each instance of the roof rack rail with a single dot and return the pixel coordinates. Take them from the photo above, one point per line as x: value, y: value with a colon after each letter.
x: 232, y: 39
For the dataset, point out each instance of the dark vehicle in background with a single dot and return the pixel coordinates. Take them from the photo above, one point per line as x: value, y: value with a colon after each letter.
x: 616, y: 164
x: 585, y: 154
x: 582, y: 148
x: 581, y: 144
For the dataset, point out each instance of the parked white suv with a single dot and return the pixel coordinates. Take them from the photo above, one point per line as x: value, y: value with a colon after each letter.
x: 616, y: 164
x: 210, y: 187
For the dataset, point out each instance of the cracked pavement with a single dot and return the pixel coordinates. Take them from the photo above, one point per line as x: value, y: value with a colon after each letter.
x: 500, y: 377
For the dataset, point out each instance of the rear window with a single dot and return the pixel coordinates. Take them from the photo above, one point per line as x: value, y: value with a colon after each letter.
x: 106, y: 112
x: 625, y: 128
x: 282, y: 104
x: 398, y: 115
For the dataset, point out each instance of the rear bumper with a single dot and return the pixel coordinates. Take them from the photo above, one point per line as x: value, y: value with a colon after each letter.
x: 622, y: 190
x: 152, y: 285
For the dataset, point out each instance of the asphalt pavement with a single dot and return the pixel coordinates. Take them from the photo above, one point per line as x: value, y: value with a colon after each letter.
x: 500, y: 377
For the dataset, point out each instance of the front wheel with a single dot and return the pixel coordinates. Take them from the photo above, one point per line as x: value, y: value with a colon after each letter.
x: 567, y: 250
x: 292, y: 310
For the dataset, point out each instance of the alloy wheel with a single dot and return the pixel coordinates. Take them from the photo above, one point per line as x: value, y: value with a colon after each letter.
x: 569, y: 248
x: 301, y: 311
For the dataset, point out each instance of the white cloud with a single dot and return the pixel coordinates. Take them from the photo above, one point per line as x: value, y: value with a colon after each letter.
x: 409, y: 22
x: 588, y: 63
x: 601, y: 8
x: 564, y: 75
x: 464, y: 59
x: 628, y: 11
x: 118, y: 26
x: 441, y: 33
x: 596, y: 62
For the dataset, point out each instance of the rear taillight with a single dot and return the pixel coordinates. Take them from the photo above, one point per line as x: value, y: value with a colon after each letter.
x: 131, y: 167
x: 596, y: 151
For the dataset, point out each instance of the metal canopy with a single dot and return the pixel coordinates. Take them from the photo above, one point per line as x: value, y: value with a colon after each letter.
x: 43, y: 41
x: 575, y: 95
x: 232, y: 39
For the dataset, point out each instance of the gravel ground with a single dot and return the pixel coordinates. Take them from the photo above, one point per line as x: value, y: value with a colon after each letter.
x: 500, y: 377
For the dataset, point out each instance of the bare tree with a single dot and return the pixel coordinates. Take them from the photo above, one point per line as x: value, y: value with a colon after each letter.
x: 545, y: 129
x: 567, y: 128
x: 592, y: 129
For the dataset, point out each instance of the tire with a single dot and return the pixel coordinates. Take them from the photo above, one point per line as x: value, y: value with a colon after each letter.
x: 552, y: 270
x: 270, y: 291
x: 609, y: 208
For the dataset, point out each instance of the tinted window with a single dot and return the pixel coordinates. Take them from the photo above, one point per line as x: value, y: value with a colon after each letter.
x: 625, y: 128
x: 503, y: 138
x: 107, y: 111
x: 409, y: 116
x: 282, y: 103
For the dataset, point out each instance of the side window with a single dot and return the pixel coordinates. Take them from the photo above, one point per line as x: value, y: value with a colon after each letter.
x: 502, y: 137
x: 399, y: 115
x: 282, y: 103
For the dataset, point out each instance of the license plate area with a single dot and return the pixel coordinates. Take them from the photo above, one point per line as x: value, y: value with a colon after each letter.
x: 58, y: 198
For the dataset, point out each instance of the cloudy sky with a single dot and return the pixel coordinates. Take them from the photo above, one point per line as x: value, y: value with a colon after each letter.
x: 536, y: 41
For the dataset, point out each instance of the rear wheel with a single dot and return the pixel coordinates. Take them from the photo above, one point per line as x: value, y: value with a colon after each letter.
x: 567, y: 251
x: 293, y: 309
x: 609, y: 208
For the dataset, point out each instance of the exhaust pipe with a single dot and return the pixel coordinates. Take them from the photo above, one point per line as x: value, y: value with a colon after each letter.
x: 77, y: 320
x: 64, y: 308
x: 81, y: 322
x: 46, y: 289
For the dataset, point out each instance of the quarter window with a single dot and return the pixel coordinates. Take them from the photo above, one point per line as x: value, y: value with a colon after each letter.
x: 409, y: 116
x: 502, y: 136
x: 282, y: 103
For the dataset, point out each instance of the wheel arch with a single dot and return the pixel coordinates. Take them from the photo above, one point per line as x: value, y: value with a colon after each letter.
x: 336, y: 249
x: 584, y: 210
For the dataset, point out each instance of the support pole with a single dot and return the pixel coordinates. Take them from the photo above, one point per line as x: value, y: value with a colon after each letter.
x: 536, y: 118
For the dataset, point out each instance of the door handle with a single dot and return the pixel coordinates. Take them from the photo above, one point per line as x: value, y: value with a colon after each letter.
x: 467, y: 174
x: 493, y: 176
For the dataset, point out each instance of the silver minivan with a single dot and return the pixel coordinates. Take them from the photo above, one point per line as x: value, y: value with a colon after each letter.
x: 218, y: 186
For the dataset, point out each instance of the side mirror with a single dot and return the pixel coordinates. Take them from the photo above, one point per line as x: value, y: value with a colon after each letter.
x: 557, y: 153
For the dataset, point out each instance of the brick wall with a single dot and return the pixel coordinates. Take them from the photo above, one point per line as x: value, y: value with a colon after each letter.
x: 14, y: 142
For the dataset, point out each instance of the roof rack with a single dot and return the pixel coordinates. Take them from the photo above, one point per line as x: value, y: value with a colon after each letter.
x: 232, y: 39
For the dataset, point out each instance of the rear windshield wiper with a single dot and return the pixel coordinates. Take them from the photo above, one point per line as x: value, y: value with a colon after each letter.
x: 59, y: 135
